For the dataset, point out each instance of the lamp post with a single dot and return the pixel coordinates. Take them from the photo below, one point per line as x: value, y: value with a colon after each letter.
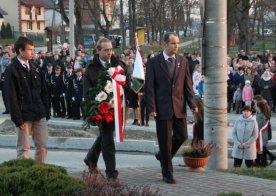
x: 72, y: 29
x: 215, y: 95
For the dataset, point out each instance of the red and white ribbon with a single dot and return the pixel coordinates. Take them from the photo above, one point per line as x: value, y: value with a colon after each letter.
x: 260, y: 137
x: 117, y: 81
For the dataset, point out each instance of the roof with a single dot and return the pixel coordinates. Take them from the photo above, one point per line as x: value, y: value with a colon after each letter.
x: 3, y: 12
x: 49, y: 4
x: 33, y: 2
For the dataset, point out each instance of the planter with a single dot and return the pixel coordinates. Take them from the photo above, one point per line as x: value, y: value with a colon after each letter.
x: 196, y: 164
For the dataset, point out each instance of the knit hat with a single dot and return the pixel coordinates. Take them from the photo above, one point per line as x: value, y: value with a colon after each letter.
x: 247, y: 82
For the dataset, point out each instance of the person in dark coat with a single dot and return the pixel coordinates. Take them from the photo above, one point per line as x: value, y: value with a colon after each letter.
x: 68, y: 78
x: 28, y: 102
x: 48, y: 79
x: 57, y: 93
x: 77, y: 94
x: 104, y: 142
x: 168, y: 90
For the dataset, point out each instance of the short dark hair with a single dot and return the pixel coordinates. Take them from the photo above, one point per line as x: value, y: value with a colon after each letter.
x: 167, y: 36
x: 21, y: 43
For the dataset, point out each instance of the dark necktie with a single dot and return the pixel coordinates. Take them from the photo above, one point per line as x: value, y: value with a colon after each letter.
x: 26, y: 66
x: 171, y: 66
x: 172, y: 60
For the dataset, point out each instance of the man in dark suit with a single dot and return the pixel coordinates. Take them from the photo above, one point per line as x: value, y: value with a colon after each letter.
x: 168, y: 89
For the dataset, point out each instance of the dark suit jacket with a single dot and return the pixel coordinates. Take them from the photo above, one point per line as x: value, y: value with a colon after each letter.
x: 166, y: 97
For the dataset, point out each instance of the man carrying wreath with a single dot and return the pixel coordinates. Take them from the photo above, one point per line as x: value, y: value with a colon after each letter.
x: 99, y: 105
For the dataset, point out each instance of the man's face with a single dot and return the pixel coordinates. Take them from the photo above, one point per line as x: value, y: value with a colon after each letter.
x: 106, y: 51
x: 57, y: 71
x: 131, y: 61
x: 171, y: 47
x: 28, y: 53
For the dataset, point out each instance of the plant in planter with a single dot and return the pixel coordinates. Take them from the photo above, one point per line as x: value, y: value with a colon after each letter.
x: 196, y: 155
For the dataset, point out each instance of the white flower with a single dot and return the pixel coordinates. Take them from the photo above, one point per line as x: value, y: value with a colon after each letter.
x: 108, y: 87
x: 101, y: 96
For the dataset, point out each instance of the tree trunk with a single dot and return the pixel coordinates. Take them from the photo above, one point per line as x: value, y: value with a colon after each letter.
x: 123, y: 31
x: 78, y: 30
x: 243, y: 19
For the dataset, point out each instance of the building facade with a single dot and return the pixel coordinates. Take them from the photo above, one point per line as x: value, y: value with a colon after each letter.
x: 25, y: 16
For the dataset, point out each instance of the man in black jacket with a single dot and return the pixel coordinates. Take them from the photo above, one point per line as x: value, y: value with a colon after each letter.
x: 28, y: 101
x: 104, y: 142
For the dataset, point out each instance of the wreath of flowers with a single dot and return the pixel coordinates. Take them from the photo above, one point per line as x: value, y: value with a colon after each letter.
x: 98, y: 104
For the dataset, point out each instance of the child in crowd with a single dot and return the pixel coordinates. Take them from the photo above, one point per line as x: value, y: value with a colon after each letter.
x: 237, y: 99
x: 245, y: 133
x: 247, y: 93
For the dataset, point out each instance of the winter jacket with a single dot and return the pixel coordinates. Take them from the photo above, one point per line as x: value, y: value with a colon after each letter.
x: 247, y: 93
x: 27, y: 93
x: 237, y: 95
x: 245, y: 132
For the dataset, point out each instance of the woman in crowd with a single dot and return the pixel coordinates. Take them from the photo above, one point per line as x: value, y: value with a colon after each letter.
x: 244, y: 135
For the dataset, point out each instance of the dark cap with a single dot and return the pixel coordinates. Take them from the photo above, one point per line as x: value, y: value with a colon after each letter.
x: 57, y: 67
x: 69, y: 66
x: 49, y: 65
x: 248, y: 108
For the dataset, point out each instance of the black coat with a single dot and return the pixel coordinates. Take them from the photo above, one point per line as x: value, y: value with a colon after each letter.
x: 57, y: 85
x: 68, y: 84
x: 26, y: 93
x: 78, y: 88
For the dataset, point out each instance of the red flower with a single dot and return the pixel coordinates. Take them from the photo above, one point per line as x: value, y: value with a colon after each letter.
x: 109, y: 117
x: 104, y: 107
x: 97, y: 117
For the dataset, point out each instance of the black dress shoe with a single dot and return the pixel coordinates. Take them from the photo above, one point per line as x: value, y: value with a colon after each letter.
x: 6, y: 112
x: 169, y: 180
x: 92, y: 167
x: 157, y: 156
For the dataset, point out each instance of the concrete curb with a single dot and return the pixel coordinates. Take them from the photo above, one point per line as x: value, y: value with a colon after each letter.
x: 74, y: 143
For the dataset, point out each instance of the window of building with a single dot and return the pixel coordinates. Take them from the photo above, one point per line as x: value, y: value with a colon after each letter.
x: 38, y: 25
x: 27, y: 10
x: 38, y: 11
x: 29, y: 26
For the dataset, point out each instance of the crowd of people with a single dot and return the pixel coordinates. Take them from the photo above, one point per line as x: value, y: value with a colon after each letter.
x: 251, y: 92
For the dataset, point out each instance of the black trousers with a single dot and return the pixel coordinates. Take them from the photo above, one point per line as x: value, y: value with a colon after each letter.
x: 105, y: 144
x: 170, y: 134
x: 59, y: 106
x: 69, y: 105
x: 76, y: 109
x: 143, y: 111
x: 238, y: 163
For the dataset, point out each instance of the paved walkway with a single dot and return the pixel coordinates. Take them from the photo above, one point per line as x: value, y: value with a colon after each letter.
x: 208, y: 183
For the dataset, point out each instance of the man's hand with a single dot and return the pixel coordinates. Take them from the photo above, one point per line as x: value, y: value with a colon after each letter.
x: 22, y: 126
x: 153, y: 114
x: 195, y: 110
